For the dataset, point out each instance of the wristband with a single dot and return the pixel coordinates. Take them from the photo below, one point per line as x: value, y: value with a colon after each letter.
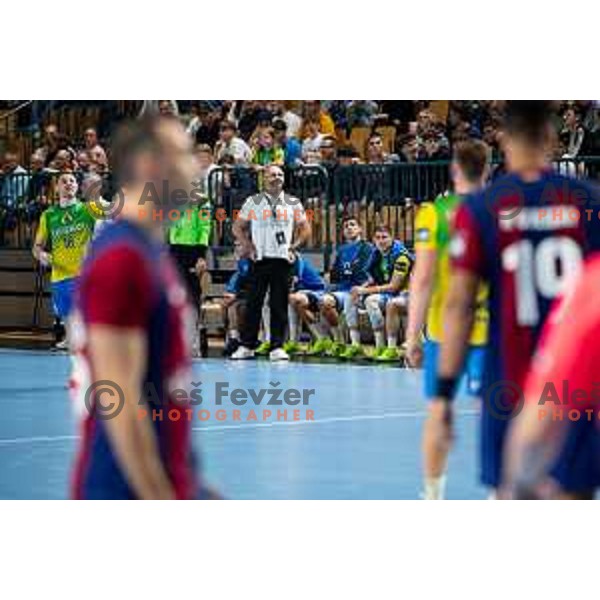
x: 445, y: 387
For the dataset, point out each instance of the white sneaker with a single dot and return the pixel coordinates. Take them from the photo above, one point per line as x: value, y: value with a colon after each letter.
x: 242, y: 353
x: 278, y: 354
x: 63, y: 345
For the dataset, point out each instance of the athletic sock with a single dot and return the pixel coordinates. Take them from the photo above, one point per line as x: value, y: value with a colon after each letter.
x: 379, y: 339
x: 392, y: 342
x: 234, y: 334
x: 355, y: 337
x: 294, y: 322
x: 435, y: 488
x: 338, y: 336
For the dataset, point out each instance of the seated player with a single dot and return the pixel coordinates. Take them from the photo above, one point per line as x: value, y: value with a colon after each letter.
x: 234, y: 304
x: 306, y: 287
x: 63, y: 235
x: 387, y: 290
x: 350, y: 269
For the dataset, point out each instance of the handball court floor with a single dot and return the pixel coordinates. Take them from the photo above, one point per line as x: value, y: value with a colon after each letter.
x: 364, y: 442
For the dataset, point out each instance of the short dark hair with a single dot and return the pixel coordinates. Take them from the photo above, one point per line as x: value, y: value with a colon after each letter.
x: 279, y: 125
x: 528, y: 119
x: 382, y: 229
x: 131, y: 138
x: 226, y: 124
x: 472, y: 156
x: 347, y: 218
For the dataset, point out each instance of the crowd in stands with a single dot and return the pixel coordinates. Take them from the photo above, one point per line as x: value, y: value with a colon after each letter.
x: 260, y: 132
x: 255, y: 134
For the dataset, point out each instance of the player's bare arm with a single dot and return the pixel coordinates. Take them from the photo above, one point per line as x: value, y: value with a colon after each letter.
x: 119, y: 356
x: 420, y: 291
x: 459, y: 316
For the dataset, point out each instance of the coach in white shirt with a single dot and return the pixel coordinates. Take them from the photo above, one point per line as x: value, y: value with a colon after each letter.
x: 269, y: 225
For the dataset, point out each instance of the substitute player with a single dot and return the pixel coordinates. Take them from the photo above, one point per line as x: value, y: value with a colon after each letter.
x: 130, y: 330
x: 526, y: 235
x: 428, y: 294
x: 568, y: 352
x: 61, y: 242
x: 388, y: 285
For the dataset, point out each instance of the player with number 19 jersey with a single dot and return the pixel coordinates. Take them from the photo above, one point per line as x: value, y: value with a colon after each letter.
x: 526, y: 239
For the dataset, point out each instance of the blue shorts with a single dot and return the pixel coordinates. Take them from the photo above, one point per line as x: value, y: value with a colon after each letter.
x: 577, y: 468
x: 473, y: 369
x: 62, y: 296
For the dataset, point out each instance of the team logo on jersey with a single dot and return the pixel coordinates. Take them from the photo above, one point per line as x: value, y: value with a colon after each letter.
x: 423, y: 235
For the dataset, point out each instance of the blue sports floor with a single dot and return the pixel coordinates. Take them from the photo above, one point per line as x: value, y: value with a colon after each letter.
x: 364, y: 442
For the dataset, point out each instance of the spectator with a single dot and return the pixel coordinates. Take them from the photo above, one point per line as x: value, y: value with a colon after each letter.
x: 92, y: 147
x: 208, y: 127
x: 291, y: 119
x: 409, y: 148
x: 313, y: 139
x: 15, y: 181
x: 250, y: 113
x: 267, y: 152
x: 328, y: 152
x: 50, y: 146
x: 375, y: 153
x: 168, y: 108
x: 205, y: 159
x: 312, y: 111
x: 39, y: 184
x: 292, y: 150
x: 231, y: 145
x: 361, y: 113
x: 63, y: 161
x: 573, y: 133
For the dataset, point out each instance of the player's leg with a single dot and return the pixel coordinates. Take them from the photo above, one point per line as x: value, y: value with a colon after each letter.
x: 436, y: 441
x: 375, y: 305
x: 350, y: 310
x: 394, y: 310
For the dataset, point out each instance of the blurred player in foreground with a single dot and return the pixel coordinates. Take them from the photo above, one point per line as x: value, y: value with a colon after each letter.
x: 130, y: 330
x: 428, y: 294
x: 568, y: 352
x: 520, y: 235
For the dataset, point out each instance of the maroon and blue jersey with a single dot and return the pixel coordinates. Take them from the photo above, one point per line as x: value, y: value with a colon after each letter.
x: 526, y: 239
x: 128, y: 281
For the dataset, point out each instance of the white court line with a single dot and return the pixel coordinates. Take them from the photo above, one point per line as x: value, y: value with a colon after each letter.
x: 246, y: 425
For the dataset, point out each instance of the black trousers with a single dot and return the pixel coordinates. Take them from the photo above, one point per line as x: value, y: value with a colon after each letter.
x: 271, y: 274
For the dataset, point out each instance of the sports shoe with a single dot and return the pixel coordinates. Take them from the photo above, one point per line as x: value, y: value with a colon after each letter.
x: 62, y: 345
x: 376, y: 353
x: 388, y: 355
x: 279, y: 354
x: 243, y: 353
x: 292, y: 347
x: 263, y: 349
x: 320, y: 347
x: 231, y: 346
x: 351, y: 352
x: 336, y: 350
